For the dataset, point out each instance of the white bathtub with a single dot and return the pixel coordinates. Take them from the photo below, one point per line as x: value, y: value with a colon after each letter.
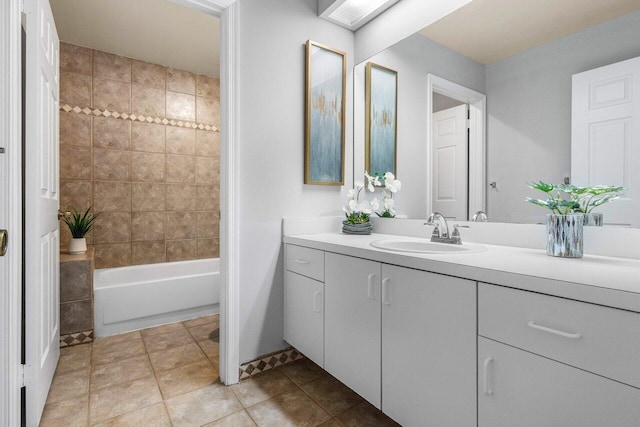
x: 136, y: 297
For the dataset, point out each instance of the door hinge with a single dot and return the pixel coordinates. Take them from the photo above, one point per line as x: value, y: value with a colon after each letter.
x: 21, y: 376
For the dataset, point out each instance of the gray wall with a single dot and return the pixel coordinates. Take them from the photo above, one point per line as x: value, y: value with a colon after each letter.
x: 529, y: 111
x: 413, y: 58
x: 271, y: 154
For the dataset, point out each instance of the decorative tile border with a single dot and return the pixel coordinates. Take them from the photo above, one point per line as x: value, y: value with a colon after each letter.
x: 270, y: 361
x: 75, y: 339
x: 138, y: 117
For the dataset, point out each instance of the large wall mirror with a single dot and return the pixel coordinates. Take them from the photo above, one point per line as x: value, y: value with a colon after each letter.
x: 500, y: 77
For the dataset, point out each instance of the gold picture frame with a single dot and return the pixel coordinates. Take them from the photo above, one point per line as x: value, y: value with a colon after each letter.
x: 325, y: 106
x: 381, y: 119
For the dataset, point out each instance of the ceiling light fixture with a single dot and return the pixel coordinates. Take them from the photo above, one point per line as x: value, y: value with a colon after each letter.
x: 352, y: 14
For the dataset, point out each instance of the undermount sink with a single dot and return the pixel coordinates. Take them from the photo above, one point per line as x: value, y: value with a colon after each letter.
x: 424, y: 246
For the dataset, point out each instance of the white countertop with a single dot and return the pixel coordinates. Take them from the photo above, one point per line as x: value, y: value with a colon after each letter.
x: 614, y: 282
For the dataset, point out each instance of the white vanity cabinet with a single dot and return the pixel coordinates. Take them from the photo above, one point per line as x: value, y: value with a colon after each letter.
x: 304, y: 301
x: 403, y: 339
x: 549, y: 361
x: 352, y: 324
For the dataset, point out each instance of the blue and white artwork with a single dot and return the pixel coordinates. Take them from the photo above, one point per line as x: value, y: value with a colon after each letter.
x: 382, y: 120
x: 326, y: 117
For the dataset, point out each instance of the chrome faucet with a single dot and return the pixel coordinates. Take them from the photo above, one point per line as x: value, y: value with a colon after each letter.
x: 479, y: 216
x: 440, y: 232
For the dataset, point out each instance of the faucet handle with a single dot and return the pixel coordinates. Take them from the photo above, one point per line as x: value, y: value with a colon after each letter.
x: 455, y: 235
x: 436, y: 232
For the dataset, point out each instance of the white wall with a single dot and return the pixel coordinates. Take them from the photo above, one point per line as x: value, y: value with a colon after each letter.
x: 413, y: 58
x: 271, y: 154
x: 529, y: 111
x: 400, y: 21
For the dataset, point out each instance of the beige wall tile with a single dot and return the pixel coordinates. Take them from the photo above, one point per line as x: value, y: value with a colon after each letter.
x: 181, y: 81
x: 148, y: 196
x: 181, y: 140
x: 148, y: 166
x: 147, y: 100
x: 181, y: 225
x: 75, y: 129
x: 147, y: 137
x: 109, y: 132
x: 181, y: 250
x: 181, y: 168
x: 112, y: 255
x: 181, y: 106
x: 111, y: 165
x: 207, y: 143
x: 112, y: 227
x: 111, y: 196
x: 207, y: 225
x: 75, y: 163
x: 207, y: 248
x: 148, y: 252
x: 75, y: 194
x: 148, y: 74
x: 109, y: 66
x: 208, y: 111
x: 207, y: 86
x: 181, y: 197
x: 112, y: 95
x: 148, y: 226
x: 75, y: 89
x: 208, y: 197
x: 75, y: 59
x: 207, y: 170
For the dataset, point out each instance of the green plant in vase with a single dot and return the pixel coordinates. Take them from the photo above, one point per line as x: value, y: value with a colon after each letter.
x: 555, y: 201
x: 80, y: 224
x: 589, y: 198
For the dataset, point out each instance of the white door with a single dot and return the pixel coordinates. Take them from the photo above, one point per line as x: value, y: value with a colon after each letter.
x: 42, y: 246
x: 428, y: 348
x: 450, y: 162
x: 518, y: 388
x: 304, y: 315
x: 605, y: 135
x: 352, y: 324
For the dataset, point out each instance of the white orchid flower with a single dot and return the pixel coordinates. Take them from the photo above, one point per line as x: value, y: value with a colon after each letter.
x: 375, y: 204
x: 352, y: 194
x: 353, y: 204
x: 393, y: 185
x: 389, y: 204
x: 364, y: 207
x: 388, y: 176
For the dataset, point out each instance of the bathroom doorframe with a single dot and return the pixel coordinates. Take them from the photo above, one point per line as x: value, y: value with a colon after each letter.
x: 477, y: 139
x: 11, y: 211
x: 227, y: 11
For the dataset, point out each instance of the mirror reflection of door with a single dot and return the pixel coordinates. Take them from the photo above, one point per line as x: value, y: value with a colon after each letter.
x: 450, y: 157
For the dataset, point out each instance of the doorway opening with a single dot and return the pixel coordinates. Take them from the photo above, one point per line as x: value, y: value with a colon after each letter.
x: 456, y: 149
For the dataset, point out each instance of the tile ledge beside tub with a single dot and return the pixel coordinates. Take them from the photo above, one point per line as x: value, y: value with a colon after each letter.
x: 600, y: 279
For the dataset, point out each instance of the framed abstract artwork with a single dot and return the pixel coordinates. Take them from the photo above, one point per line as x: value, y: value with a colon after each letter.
x: 324, y: 115
x: 381, y: 122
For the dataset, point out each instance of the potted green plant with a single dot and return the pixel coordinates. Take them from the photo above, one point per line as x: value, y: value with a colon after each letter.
x: 358, y: 212
x: 79, y: 224
x: 564, y: 223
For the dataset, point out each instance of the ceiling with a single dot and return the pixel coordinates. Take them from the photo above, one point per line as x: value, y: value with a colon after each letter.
x: 491, y: 30
x: 156, y: 31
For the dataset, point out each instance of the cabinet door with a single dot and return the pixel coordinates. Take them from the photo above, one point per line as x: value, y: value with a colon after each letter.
x: 428, y: 348
x: 304, y: 315
x: 516, y: 387
x: 352, y: 324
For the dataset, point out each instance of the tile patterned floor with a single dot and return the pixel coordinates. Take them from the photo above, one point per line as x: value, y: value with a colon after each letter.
x: 168, y: 376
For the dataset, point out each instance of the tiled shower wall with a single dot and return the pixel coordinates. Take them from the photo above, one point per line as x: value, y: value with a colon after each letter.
x: 140, y: 143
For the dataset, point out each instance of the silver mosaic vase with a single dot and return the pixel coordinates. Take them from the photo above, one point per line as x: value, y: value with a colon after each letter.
x: 593, y: 219
x: 564, y: 235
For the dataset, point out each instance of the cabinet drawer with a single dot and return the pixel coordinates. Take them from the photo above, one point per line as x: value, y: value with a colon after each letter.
x: 599, y: 339
x: 305, y: 261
